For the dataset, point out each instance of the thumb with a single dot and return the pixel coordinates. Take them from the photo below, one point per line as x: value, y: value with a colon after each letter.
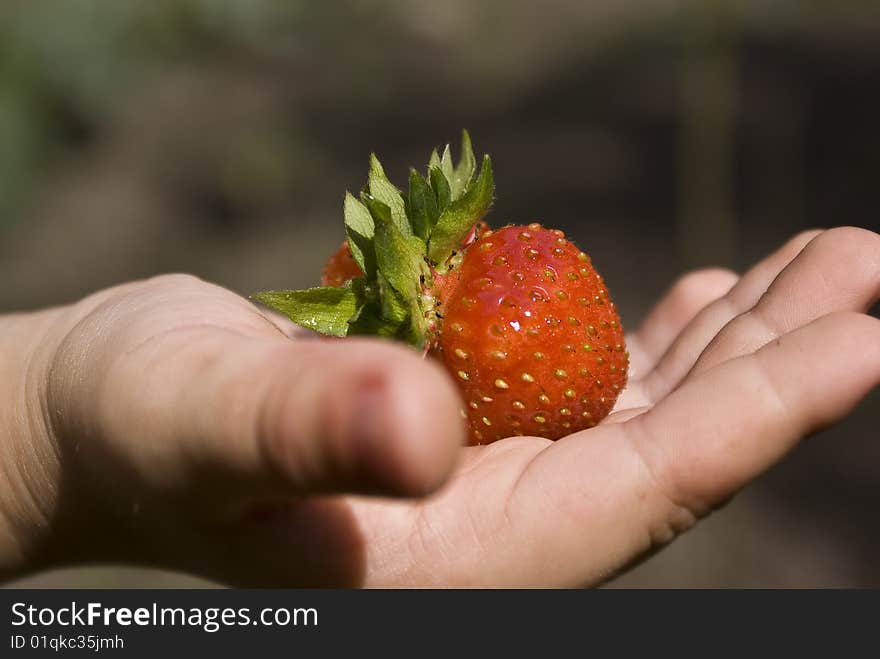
x: 239, y: 416
x: 335, y: 416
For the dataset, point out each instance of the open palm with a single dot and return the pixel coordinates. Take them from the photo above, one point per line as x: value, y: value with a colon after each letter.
x: 203, y: 437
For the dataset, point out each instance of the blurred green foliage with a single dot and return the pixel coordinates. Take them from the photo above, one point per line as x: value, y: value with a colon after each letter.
x: 64, y: 64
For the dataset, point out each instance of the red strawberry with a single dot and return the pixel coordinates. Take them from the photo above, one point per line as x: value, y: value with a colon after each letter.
x: 518, y: 316
x: 531, y: 336
x: 341, y: 267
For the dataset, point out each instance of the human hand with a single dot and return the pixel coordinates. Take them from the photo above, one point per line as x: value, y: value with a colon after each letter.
x: 164, y: 418
x: 190, y: 432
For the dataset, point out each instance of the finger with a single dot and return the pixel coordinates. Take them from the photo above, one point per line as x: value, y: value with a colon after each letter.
x: 266, y: 417
x: 687, y: 296
x: 811, y: 286
x: 753, y: 409
x: 352, y: 416
x: 683, y: 353
x: 613, y: 493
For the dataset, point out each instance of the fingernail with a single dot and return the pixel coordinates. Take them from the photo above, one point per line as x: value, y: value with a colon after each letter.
x: 367, y: 420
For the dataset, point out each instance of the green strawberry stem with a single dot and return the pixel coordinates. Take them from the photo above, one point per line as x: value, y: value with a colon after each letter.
x: 404, y: 244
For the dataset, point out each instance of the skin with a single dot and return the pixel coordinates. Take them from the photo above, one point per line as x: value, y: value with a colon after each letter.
x: 169, y: 422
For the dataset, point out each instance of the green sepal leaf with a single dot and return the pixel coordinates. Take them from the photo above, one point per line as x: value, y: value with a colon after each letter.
x: 457, y: 219
x: 464, y: 171
x: 394, y: 309
x: 421, y: 205
x: 369, y: 322
x: 433, y: 161
x: 398, y: 258
x: 360, y: 228
x: 440, y: 185
x: 384, y: 314
x: 447, y: 168
x: 385, y: 191
x: 326, y: 309
x: 419, y: 247
x: 376, y: 168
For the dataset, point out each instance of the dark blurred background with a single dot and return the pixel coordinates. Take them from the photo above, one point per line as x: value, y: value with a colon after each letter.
x: 217, y: 138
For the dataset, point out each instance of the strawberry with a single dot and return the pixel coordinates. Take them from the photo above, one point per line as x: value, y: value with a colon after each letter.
x: 518, y: 316
x: 531, y: 336
x: 340, y: 268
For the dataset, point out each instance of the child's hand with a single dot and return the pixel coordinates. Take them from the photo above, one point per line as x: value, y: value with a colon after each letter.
x: 167, y: 412
x: 170, y: 423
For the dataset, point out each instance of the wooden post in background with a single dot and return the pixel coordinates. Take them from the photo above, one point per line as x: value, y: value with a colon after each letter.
x: 706, y: 223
